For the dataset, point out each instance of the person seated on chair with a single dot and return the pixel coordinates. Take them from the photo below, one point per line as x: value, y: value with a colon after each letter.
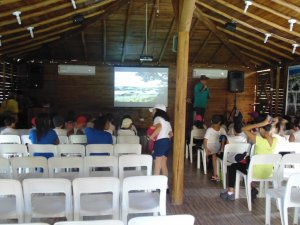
x: 79, y: 127
x: 200, y: 127
x: 125, y: 123
x: 98, y: 135
x: 59, y: 122
x: 264, y: 144
x: 238, y: 135
x: 10, y: 125
x: 127, y: 128
x: 43, y: 134
x: 278, y: 130
x: 212, y: 143
x: 295, y: 137
x: 111, y: 127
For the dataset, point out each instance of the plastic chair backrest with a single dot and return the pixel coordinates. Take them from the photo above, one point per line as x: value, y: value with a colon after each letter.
x: 43, y: 149
x: 127, y: 149
x: 99, y: 149
x: 91, y: 222
x: 293, y: 147
x: 128, y: 139
x: 122, y: 132
x: 56, y: 163
x: 102, y: 162
x: 77, y: 139
x: 71, y: 150
x: 25, y: 139
x: 23, y: 132
x: 292, y: 183
x: 197, y: 134
x: 5, y: 169
x: 63, y: 139
x: 230, y: 150
x: 163, y: 220
x: 11, y: 150
x: 10, y: 139
x: 126, y: 161
x: 289, y: 164
x: 32, y: 163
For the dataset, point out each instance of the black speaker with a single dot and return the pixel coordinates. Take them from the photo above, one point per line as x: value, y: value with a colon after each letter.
x: 36, y: 77
x: 235, y: 81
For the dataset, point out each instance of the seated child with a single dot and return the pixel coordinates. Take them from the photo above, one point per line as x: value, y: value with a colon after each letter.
x: 10, y: 125
x: 212, y: 143
x: 200, y: 127
x: 58, y: 122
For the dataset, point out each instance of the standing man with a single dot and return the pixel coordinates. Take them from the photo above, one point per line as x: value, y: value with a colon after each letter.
x: 201, y: 96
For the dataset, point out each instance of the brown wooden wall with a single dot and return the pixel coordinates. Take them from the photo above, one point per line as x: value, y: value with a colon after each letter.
x: 94, y: 94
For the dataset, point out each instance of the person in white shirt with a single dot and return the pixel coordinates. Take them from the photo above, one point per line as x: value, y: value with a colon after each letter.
x: 59, y: 122
x: 295, y: 137
x: 212, y: 143
x: 10, y: 125
x: 238, y: 135
x: 162, y: 136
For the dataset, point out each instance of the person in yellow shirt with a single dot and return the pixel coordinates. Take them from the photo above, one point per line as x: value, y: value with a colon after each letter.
x: 264, y: 144
x: 10, y: 106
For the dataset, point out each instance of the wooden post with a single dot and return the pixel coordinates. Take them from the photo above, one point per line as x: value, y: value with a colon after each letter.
x: 277, y: 89
x: 184, y: 12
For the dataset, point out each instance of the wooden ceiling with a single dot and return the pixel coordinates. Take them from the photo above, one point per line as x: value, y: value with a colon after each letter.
x: 114, y: 31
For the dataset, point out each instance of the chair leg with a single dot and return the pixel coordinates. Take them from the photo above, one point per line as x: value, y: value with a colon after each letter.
x: 237, y: 186
x: 191, y: 154
x: 224, y: 177
x: 218, y: 167
x: 248, y: 193
x: 261, y: 189
x: 204, y: 160
x: 198, y: 158
x: 296, y: 214
x: 186, y: 151
x: 285, y: 215
x: 268, y: 210
x: 124, y: 217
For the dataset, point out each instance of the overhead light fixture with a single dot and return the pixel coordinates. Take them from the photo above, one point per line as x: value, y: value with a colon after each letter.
x: 74, y: 4
x: 247, y: 4
x: 30, y: 29
x: 292, y: 22
x: 17, y: 15
x: 267, y: 35
x: 295, y: 46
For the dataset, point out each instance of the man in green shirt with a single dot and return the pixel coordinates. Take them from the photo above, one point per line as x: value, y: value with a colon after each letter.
x: 201, y: 96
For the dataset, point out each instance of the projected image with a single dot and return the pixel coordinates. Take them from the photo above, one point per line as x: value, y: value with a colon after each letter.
x: 140, y: 86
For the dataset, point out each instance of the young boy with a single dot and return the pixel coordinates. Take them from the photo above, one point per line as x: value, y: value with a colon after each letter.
x: 58, y: 122
x: 212, y: 143
x: 10, y: 125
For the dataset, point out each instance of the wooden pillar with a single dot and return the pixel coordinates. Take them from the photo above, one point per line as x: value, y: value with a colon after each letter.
x: 184, y: 12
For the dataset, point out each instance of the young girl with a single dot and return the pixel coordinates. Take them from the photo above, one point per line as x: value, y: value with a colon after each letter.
x: 162, y: 145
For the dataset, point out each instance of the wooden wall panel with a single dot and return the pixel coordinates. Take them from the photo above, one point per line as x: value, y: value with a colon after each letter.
x: 94, y: 94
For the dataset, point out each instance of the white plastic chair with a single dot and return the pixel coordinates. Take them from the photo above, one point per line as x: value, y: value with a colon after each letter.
x: 96, y: 196
x: 289, y: 164
x: 91, y: 222
x: 29, y: 167
x: 5, y: 169
x: 51, y: 205
x: 63, y: 167
x: 63, y: 139
x: 122, y: 132
x: 137, y: 161
x: 288, y: 197
x: 202, y: 153
x: 13, y: 150
x: 292, y: 147
x: 195, y: 134
x: 77, y: 139
x: 128, y: 140
x: 114, y: 140
x: 25, y: 140
x: 163, y: 220
x: 230, y: 150
x: 10, y: 139
x: 120, y: 149
x: 269, y: 159
x: 42, y: 150
x: 93, y: 162
x: 144, y: 202
x: 99, y: 149
x: 23, y: 132
x: 71, y: 150
x: 11, y: 208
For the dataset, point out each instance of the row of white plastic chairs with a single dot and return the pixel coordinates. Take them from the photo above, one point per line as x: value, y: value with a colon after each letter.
x: 178, y: 219
x: 7, y: 150
x: 73, y: 167
x: 93, y: 196
x: 72, y: 139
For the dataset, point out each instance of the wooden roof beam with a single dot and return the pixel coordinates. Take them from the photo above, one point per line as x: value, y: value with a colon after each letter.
x: 223, y: 38
x: 256, y: 57
x: 166, y: 42
x: 194, y: 27
x: 104, y: 41
x: 205, y: 42
x: 84, y: 46
x: 6, y: 2
x: 258, y: 18
x: 259, y: 37
x: 255, y: 43
x: 219, y: 49
x: 254, y: 50
x: 288, y: 5
x: 230, y: 17
x: 129, y: 7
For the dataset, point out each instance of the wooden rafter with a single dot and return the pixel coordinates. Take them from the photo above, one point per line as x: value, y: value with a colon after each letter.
x: 256, y: 57
x: 288, y: 5
x: 222, y: 37
x: 258, y: 18
x: 151, y: 23
x: 254, y: 50
x: 6, y: 2
x: 216, y: 53
x: 126, y: 29
x: 249, y: 41
x: 84, y: 45
x: 104, y: 40
x: 252, y: 34
x: 166, y: 42
x: 25, y: 52
x: 205, y: 42
x: 194, y: 27
x: 230, y: 17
